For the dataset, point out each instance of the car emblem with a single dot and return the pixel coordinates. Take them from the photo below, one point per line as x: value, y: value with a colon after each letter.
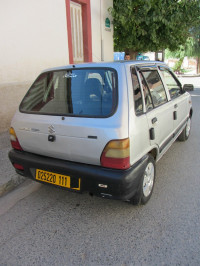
x: 51, y: 129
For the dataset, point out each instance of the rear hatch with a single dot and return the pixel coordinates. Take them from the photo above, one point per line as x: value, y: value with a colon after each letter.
x: 71, y: 114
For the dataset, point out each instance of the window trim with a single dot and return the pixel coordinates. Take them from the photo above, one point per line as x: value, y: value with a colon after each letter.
x: 87, y: 29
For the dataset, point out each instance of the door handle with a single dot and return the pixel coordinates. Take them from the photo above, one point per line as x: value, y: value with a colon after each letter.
x: 175, y: 115
x: 176, y: 106
x: 152, y: 133
x: 154, y: 120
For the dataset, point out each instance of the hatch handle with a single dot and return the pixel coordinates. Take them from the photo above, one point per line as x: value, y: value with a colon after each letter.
x: 51, y: 138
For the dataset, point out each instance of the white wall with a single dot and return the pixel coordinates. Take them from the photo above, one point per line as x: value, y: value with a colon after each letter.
x: 102, y: 40
x: 33, y: 37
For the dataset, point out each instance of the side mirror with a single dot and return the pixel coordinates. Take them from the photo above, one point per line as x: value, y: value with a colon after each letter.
x: 188, y: 87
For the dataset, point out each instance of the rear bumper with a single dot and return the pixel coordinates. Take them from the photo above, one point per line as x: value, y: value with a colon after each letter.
x: 121, y: 184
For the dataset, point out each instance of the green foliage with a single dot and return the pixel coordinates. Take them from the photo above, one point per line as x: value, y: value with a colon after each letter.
x: 194, y: 48
x: 152, y: 25
x: 178, y: 64
x: 182, y: 50
x: 191, y: 48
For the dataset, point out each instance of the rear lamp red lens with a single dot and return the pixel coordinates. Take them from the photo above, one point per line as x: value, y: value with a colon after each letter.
x: 116, y: 154
x: 18, y: 166
x: 14, y: 140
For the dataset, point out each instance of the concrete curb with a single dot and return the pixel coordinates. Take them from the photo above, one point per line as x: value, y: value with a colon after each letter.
x: 11, y: 184
x: 9, y: 179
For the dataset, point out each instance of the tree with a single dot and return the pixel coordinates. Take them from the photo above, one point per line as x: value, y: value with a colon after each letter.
x: 194, y: 50
x: 190, y: 49
x: 181, y: 53
x: 141, y: 25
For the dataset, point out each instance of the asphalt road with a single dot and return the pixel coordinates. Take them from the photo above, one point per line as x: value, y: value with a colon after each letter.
x: 42, y: 225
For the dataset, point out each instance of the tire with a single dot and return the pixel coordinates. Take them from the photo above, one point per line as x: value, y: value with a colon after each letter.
x: 146, y: 185
x: 186, y: 131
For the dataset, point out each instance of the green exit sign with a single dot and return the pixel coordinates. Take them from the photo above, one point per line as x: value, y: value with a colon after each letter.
x: 107, y: 23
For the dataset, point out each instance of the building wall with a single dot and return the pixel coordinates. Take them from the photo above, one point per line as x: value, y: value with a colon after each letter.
x: 102, y: 37
x: 34, y: 37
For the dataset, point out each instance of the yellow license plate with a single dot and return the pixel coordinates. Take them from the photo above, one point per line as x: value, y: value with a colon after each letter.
x: 58, y: 179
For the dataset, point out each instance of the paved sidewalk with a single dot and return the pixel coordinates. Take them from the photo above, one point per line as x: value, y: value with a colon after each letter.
x: 9, y: 179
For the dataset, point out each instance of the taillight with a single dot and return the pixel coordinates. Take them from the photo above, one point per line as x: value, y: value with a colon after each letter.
x: 14, y: 141
x: 116, y: 154
x: 18, y: 166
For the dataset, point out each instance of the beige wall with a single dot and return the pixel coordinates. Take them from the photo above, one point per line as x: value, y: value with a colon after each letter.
x: 34, y: 37
x: 102, y: 38
x: 11, y: 95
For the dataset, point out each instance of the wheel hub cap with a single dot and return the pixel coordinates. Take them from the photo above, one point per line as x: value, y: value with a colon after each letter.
x: 188, y: 126
x: 148, y: 179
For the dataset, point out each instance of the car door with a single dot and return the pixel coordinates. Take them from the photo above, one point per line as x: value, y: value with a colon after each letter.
x: 178, y: 99
x: 158, y: 108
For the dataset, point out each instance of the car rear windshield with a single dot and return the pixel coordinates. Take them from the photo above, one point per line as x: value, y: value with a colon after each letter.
x: 73, y: 92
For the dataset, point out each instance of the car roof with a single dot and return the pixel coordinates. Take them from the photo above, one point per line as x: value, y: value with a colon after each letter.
x: 106, y: 64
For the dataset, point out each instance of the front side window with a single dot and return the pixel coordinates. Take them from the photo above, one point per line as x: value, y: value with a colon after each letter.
x: 173, y: 86
x: 156, y: 87
x: 75, y: 92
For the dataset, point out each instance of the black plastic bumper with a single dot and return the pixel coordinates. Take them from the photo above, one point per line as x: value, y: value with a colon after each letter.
x: 121, y: 184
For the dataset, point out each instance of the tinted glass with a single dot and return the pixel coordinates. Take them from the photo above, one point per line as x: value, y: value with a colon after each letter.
x: 156, y: 87
x: 147, y: 96
x: 137, y: 94
x: 173, y: 86
x: 85, y: 92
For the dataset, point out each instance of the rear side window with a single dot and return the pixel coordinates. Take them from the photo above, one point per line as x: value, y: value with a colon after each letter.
x: 74, y: 92
x: 137, y: 93
x: 147, y: 96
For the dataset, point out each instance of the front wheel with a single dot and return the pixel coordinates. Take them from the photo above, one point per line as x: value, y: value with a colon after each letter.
x: 146, y: 186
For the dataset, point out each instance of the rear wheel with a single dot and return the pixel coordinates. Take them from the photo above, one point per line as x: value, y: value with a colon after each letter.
x: 146, y: 184
x: 186, y: 131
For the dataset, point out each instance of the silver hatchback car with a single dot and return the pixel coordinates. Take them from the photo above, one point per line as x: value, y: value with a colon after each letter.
x: 100, y: 127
